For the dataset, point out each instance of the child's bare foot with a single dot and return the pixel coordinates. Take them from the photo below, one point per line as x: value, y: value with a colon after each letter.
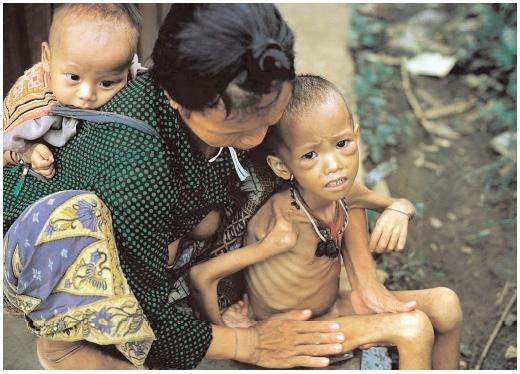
x: 237, y: 314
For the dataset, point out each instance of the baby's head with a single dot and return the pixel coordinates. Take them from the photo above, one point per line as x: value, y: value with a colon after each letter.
x: 89, y: 52
x: 315, y: 141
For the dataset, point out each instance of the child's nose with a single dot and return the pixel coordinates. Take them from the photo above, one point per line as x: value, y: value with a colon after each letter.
x: 87, y: 92
x: 331, y: 164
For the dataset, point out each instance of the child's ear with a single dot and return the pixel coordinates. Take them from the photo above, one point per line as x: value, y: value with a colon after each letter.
x: 356, y: 130
x: 46, y: 57
x: 278, y: 166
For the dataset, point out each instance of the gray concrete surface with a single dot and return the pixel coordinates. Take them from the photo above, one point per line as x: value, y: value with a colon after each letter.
x: 321, y: 48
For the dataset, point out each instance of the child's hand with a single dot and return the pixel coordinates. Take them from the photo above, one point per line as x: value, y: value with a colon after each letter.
x: 237, y: 315
x: 391, y: 228
x: 41, y: 159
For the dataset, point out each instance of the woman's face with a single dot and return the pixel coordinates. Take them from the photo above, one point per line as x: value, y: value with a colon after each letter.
x: 243, y: 129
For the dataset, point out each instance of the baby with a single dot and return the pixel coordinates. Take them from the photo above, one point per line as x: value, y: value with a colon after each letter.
x: 88, y: 58
x: 297, y: 239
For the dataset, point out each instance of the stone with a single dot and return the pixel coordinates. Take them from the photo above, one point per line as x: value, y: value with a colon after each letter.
x: 467, y: 250
x: 510, y: 352
x: 435, y: 222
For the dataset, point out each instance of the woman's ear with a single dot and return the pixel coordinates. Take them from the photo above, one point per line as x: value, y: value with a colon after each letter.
x: 46, y: 57
x: 278, y: 167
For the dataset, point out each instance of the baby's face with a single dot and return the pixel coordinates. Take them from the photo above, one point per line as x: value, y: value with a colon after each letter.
x: 88, y: 64
x: 322, y: 151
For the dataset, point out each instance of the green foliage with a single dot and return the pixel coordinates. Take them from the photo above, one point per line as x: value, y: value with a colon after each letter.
x: 366, y: 32
x: 379, y: 128
x: 494, y: 53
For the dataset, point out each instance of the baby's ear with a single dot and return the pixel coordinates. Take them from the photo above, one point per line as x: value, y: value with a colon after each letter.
x: 278, y: 167
x: 46, y: 57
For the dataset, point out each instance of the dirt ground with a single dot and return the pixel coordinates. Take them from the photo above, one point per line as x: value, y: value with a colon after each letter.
x: 474, y: 251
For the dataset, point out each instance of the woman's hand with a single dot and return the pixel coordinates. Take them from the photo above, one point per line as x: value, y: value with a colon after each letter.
x: 391, y: 228
x: 288, y: 340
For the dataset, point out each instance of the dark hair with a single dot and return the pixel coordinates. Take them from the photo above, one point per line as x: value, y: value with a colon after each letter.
x: 307, y: 92
x: 236, y: 52
x: 104, y: 11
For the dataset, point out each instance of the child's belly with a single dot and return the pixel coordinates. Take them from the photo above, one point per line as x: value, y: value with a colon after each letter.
x: 287, y: 281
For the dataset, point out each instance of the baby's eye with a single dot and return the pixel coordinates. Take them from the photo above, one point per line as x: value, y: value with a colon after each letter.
x: 107, y: 84
x: 343, y: 143
x: 310, y: 155
x: 72, y: 77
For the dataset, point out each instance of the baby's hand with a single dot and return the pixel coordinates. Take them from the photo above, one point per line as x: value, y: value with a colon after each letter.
x: 41, y: 159
x: 237, y: 315
x: 391, y: 228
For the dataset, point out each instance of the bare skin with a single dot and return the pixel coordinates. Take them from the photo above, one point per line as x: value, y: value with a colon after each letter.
x: 284, y: 274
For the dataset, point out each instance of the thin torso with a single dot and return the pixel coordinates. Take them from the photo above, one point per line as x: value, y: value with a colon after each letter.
x: 295, y: 279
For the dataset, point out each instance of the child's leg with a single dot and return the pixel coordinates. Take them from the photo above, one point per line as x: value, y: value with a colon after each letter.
x: 411, y: 332
x: 77, y: 355
x: 443, y: 307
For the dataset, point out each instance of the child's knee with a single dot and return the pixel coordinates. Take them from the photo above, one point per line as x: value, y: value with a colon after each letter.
x: 448, y: 310
x: 415, y: 328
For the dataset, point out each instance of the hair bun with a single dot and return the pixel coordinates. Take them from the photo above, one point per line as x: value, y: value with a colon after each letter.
x: 268, y: 55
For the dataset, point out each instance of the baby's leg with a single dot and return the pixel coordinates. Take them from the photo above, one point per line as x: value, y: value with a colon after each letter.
x: 411, y: 332
x: 443, y: 307
x: 80, y: 355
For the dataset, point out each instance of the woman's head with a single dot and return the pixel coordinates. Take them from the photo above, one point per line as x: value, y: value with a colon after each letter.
x: 223, y: 65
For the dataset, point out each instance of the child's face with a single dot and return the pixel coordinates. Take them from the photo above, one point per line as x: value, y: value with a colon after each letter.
x: 88, y: 64
x: 322, y: 151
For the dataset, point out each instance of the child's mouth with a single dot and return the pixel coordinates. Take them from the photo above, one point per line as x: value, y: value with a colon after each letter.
x: 337, y: 183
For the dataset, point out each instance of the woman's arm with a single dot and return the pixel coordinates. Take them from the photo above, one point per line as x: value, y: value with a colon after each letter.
x: 282, y: 341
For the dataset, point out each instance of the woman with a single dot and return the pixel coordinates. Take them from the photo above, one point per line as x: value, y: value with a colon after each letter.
x: 221, y: 77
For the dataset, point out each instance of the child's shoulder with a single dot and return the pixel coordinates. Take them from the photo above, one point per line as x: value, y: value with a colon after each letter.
x: 278, y: 205
x: 29, y: 98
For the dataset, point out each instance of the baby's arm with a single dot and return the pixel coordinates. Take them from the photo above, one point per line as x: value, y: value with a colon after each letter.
x: 392, y: 225
x: 205, y: 276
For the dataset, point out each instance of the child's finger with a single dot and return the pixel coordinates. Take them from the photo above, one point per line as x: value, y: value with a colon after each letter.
x: 374, y: 238
x: 402, y: 239
x: 394, y: 239
x: 383, y: 241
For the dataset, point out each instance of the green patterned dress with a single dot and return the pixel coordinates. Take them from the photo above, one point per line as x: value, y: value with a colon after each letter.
x: 156, y: 191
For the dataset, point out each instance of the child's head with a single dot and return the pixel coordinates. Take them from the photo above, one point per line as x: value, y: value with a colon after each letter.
x: 315, y: 141
x: 89, y: 52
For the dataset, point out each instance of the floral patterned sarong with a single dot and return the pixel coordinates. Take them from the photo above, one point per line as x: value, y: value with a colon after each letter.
x: 62, y: 272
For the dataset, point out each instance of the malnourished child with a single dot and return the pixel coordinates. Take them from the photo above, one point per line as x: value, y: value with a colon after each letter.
x: 297, y: 239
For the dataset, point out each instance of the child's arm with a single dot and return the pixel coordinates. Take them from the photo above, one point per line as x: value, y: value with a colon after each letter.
x: 391, y: 227
x: 205, y: 276
x: 361, y: 270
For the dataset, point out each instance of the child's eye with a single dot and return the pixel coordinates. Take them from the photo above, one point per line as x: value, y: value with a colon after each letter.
x: 72, y: 77
x: 107, y: 84
x: 310, y: 155
x: 343, y: 143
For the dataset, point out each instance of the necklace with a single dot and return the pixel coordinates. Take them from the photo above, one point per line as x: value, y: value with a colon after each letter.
x: 329, y: 235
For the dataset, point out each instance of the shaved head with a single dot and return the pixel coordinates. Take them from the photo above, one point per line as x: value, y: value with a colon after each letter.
x: 101, y: 17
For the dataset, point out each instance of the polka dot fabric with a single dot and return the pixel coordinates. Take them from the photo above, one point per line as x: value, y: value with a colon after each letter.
x: 157, y: 190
